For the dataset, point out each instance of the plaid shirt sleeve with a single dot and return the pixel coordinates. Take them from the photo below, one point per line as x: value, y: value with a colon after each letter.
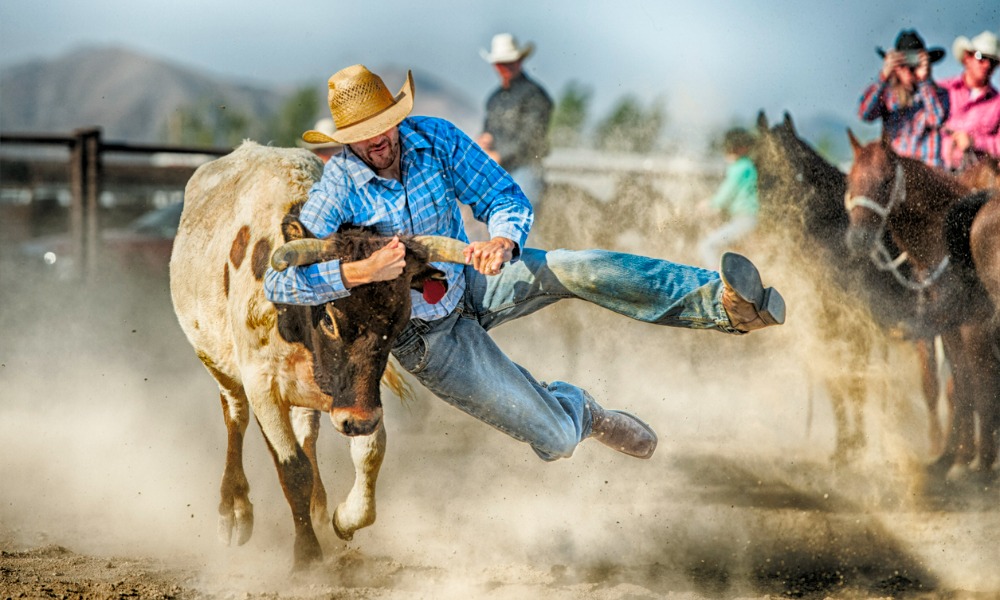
x: 321, y: 282
x: 488, y: 190
x: 870, y: 107
x: 935, y: 101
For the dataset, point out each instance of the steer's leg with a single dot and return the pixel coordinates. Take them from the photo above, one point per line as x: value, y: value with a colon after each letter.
x: 235, y: 509
x: 358, y: 510
x: 294, y: 470
x: 305, y: 421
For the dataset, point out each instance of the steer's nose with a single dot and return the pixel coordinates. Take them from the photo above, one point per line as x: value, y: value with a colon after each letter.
x: 353, y: 422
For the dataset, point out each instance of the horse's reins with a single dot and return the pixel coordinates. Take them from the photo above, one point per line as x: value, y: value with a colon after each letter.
x: 880, y: 255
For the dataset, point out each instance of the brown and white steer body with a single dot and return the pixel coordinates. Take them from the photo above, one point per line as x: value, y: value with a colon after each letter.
x: 266, y: 358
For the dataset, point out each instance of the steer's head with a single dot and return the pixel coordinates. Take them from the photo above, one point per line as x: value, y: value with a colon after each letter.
x: 350, y: 338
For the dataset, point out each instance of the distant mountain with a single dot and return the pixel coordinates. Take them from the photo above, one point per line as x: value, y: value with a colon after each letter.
x: 138, y: 98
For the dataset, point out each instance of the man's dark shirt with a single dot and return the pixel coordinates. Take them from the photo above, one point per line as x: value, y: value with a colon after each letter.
x: 518, y: 119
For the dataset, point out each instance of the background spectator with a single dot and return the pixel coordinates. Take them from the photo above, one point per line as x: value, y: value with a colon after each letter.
x: 515, y: 133
x: 974, y: 111
x: 912, y: 107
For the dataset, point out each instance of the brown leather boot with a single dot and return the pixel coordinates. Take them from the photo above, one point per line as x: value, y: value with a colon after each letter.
x: 748, y: 303
x: 621, y: 431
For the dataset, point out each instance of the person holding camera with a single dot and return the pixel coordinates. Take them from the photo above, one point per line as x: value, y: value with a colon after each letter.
x: 912, y: 107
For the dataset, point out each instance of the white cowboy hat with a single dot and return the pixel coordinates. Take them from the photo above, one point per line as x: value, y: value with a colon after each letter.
x: 362, y: 106
x: 324, y: 126
x: 985, y: 43
x: 505, y: 50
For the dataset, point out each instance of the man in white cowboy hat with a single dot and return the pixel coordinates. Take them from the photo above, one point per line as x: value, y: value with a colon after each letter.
x: 515, y: 133
x: 406, y: 175
x: 974, y: 118
x: 326, y: 149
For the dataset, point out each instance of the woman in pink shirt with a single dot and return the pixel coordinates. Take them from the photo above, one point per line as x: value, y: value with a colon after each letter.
x: 974, y: 119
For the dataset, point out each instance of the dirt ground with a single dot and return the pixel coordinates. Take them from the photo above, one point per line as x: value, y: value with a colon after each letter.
x: 112, y: 446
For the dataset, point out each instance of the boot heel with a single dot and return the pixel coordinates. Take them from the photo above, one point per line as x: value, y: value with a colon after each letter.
x: 772, y: 310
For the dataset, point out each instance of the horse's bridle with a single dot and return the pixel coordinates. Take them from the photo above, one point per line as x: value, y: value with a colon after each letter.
x: 881, y: 255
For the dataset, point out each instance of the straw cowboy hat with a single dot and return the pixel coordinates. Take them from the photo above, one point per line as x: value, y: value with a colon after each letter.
x: 505, y: 50
x: 911, y: 45
x: 985, y: 43
x: 326, y: 127
x: 362, y: 106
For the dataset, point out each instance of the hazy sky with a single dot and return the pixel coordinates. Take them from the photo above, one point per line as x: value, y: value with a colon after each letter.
x: 712, y: 62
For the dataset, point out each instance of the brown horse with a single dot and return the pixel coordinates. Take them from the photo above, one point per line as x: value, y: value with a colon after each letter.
x: 914, y: 203
x: 799, y: 187
x: 981, y: 172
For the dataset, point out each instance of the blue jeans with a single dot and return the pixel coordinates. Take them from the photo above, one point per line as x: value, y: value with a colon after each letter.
x: 458, y: 361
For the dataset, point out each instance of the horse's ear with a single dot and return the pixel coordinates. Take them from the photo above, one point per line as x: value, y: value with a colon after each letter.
x: 855, y: 144
x: 788, y: 122
x: 761, y: 121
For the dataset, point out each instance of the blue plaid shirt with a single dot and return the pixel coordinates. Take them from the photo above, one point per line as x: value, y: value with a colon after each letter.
x: 441, y: 167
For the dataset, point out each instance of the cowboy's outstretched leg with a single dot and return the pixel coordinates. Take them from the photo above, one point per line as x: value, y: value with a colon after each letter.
x: 456, y: 359
x: 652, y: 290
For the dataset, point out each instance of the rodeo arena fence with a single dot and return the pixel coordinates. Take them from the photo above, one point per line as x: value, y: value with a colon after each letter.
x: 78, y: 185
x: 42, y: 191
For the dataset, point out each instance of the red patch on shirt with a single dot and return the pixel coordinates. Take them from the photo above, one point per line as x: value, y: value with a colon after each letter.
x: 433, y: 291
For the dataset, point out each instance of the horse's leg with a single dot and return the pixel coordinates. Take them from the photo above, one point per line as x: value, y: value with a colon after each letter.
x: 358, y: 509
x: 835, y: 388
x: 959, y: 445
x: 931, y: 387
x: 235, y: 509
x: 305, y: 422
x: 857, y: 388
x: 979, y: 344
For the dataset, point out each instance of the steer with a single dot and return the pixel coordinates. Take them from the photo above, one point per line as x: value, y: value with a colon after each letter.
x: 287, y: 363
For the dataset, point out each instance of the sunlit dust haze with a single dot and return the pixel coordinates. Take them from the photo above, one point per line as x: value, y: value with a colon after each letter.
x: 113, y: 445
x: 766, y: 482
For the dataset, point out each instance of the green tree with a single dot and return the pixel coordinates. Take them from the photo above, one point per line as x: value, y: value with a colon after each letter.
x: 631, y: 128
x: 296, y: 115
x: 570, y: 114
x: 209, y: 122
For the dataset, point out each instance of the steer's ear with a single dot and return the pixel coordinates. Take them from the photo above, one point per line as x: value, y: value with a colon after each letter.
x: 291, y: 228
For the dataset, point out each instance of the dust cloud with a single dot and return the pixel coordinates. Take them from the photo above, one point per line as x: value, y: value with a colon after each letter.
x: 112, y: 445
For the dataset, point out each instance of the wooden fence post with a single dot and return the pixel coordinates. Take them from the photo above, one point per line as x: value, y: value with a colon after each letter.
x: 85, y: 185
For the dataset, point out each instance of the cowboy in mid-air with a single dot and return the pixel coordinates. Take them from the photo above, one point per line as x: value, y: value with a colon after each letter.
x: 404, y: 175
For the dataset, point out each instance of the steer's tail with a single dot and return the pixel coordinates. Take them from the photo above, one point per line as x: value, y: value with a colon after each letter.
x: 393, y: 379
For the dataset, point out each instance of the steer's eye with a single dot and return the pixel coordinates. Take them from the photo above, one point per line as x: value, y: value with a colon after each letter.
x: 328, y: 322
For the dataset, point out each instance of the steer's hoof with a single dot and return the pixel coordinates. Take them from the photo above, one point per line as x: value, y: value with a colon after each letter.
x: 344, y: 534
x: 238, y: 525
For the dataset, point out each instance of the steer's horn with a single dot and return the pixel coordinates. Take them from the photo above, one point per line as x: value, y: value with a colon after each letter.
x: 443, y: 249
x: 297, y: 252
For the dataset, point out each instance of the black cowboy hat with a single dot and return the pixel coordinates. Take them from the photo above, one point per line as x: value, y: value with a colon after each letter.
x: 911, y: 44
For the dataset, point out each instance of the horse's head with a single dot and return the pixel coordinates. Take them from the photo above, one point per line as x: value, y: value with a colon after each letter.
x: 780, y: 176
x: 795, y: 181
x: 875, y: 184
